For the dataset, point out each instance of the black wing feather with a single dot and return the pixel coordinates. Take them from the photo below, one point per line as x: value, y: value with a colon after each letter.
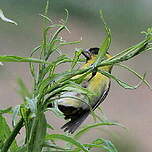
x: 78, y: 118
x: 75, y: 122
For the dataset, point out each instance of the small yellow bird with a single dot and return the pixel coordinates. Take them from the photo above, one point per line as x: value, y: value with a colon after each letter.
x: 77, y: 110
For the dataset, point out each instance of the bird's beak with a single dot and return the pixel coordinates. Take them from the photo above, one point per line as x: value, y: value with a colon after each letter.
x: 86, y: 54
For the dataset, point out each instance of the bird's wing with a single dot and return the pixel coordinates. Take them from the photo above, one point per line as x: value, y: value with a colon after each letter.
x: 103, y: 96
x: 78, y: 118
x: 75, y: 121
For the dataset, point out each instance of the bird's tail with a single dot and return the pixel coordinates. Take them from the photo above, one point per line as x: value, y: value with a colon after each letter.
x: 75, y: 122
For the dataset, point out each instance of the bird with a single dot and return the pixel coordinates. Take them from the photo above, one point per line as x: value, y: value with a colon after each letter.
x: 75, y: 110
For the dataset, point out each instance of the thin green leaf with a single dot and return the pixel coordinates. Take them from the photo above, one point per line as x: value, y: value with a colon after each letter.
x: 77, y: 88
x: 32, y: 68
x: 8, y: 58
x: 122, y: 83
x: 93, y: 146
x: 80, y: 78
x: 106, y: 43
x: 107, y: 145
x: 69, y: 43
x: 61, y: 59
x: 50, y: 126
x: 7, y: 110
x: 45, y: 17
x: 88, y: 127
x: 55, y: 35
x: 45, y: 83
x: 25, y: 113
x: 46, y: 11
x: 6, y: 19
x: 126, y: 54
x: 136, y: 74
x: 5, y: 132
x: 22, y: 149
x: 53, y: 40
x: 36, y: 49
x: 67, y: 139
x: 148, y: 33
x: 55, y: 90
x: 16, y: 112
x: 55, y: 147
x: 46, y: 7
x: 67, y: 16
x: 76, y: 58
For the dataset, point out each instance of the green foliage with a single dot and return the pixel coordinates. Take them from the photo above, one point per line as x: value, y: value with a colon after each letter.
x: 67, y: 139
x: 48, y: 84
x: 106, y: 43
x: 5, y: 132
x: 92, y: 126
x: 122, y: 83
x: 8, y: 58
x: 38, y: 133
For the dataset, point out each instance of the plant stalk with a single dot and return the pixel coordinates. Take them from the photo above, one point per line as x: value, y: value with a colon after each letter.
x: 14, y: 133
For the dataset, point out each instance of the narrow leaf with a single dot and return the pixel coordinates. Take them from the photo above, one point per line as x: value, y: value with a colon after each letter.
x: 69, y: 43
x: 22, y: 149
x: 127, y: 54
x: 88, y: 127
x: 107, y: 145
x: 76, y: 58
x: 7, y: 110
x: 50, y: 126
x: 5, y: 132
x: 136, y: 74
x: 120, y: 82
x: 67, y: 139
x: 106, y: 43
x: 16, y: 111
x: 8, y: 58
x: 78, y: 88
x: 45, y: 17
x: 6, y: 19
x: 55, y: 147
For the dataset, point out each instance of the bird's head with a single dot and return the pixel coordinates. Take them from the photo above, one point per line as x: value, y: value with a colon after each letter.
x: 91, y: 54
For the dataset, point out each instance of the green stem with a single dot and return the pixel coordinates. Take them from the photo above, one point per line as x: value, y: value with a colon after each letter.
x: 11, y: 138
x: 32, y: 134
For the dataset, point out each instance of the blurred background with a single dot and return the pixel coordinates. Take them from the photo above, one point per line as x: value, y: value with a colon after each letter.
x: 126, y: 20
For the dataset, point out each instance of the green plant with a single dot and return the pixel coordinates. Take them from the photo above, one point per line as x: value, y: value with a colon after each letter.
x: 47, y: 84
